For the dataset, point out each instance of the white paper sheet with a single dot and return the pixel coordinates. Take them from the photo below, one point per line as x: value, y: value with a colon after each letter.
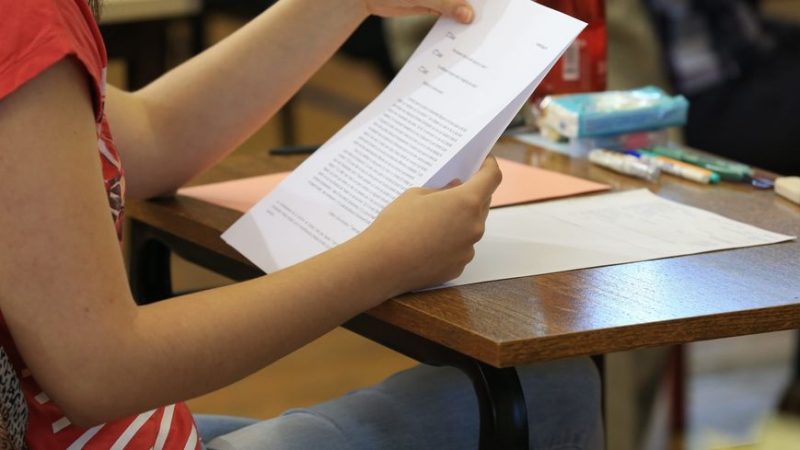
x: 434, y: 123
x: 600, y: 230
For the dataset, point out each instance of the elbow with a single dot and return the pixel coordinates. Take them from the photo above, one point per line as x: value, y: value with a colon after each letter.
x: 90, y: 409
x: 80, y: 412
x: 86, y: 409
x: 84, y: 419
x: 88, y: 396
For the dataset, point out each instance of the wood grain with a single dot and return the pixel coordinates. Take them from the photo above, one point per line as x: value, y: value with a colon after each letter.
x: 582, y: 312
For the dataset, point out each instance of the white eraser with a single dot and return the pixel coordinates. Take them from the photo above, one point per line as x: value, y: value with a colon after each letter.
x: 788, y: 187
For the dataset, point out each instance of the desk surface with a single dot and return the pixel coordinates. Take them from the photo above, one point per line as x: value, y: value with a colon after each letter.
x: 583, y: 312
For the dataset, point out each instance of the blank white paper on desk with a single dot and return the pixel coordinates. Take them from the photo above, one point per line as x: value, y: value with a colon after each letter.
x: 434, y: 123
x: 600, y: 230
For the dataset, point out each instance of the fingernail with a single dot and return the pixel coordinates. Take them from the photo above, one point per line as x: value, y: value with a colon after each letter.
x: 464, y: 14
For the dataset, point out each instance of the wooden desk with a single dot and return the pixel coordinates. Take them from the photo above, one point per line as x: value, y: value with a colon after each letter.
x: 485, y: 329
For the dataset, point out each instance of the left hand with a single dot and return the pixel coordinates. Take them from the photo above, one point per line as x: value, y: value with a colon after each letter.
x: 459, y: 10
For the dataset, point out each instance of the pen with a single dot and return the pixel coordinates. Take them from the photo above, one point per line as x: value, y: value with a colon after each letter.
x: 727, y: 170
x: 294, y: 150
x: 626, y: 164
x: 678, y: 168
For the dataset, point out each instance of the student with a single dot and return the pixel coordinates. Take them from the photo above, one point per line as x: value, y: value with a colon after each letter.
x: 739, y: 70
x: 84, y: 367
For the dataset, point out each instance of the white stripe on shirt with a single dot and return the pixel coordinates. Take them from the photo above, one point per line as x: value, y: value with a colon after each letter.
x: 60, y: 424
x: 132, y: 429
x: 42, y: 398
x: 191, y: 443
x: 81, y: 441
x: 163, y: 430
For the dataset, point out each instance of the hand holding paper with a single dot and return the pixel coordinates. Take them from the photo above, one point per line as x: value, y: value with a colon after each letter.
x: 435, y: 122
x: 457, y: 9
x: 430, y: 233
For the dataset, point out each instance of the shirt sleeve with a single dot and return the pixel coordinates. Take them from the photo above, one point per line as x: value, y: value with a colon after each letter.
x: 35, y: 34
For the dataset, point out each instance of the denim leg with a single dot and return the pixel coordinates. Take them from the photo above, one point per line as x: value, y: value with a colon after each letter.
x: 564, y: 400
x: 435, y: 408
x: 210, y: 426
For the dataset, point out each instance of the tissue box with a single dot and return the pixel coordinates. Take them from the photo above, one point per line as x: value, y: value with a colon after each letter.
x: 609, y: 113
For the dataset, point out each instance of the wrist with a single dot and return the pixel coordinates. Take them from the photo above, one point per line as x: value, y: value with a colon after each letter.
x: 381, y: 267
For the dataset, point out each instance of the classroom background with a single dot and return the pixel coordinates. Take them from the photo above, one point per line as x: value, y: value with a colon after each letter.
x: 732, y: 386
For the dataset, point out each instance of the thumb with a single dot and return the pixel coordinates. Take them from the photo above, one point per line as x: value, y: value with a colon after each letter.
x: 486, y: 179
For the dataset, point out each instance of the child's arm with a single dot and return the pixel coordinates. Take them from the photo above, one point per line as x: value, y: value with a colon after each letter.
x: 65, y: 297
x: 191, y: 117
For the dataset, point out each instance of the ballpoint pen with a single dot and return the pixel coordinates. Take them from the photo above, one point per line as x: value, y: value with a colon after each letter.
x: 625, y: 164
x: 678, y: 168
x: 294, y: 150
x: 727, y: 170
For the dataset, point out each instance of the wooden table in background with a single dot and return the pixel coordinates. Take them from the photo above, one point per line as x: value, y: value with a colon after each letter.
x: 486, y: 329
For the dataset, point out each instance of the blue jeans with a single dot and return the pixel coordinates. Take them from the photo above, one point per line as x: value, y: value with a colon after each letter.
x: 426, y: 407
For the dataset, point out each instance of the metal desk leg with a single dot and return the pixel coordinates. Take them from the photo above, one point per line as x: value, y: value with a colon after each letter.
x: 600, y: 363
x: 504, y: 415
x: 790, y: 401
x: 503, y: 412
x: 150, y: 275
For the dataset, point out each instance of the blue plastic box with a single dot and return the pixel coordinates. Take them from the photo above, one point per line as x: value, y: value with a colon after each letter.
x: 613, y: 112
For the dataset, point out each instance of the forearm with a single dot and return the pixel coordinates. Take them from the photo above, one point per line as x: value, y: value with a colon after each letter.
x: 206, y: 107
x: 66, y: 301
x: 183, y: 347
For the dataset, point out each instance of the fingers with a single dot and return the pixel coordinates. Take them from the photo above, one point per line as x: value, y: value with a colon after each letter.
x: 453, y: 184
x: 480, y: 186
x: 476, y: 193
x: 459, y: 10
x: 483, y: 184
x: 487, y: 205
x: 486, y: 179
x: 462, y: 11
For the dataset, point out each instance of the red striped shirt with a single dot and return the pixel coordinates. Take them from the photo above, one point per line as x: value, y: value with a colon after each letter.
x: 34, y: 35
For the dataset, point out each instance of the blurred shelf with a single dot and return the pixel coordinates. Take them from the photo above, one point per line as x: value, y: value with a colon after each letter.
x: 121, y: 11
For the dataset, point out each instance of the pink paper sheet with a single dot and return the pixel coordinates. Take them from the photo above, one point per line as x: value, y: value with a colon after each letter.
x: 521, y: 184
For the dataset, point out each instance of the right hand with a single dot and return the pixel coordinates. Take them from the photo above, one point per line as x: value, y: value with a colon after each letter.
x: 460, y: 10
x: 426, y: 236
